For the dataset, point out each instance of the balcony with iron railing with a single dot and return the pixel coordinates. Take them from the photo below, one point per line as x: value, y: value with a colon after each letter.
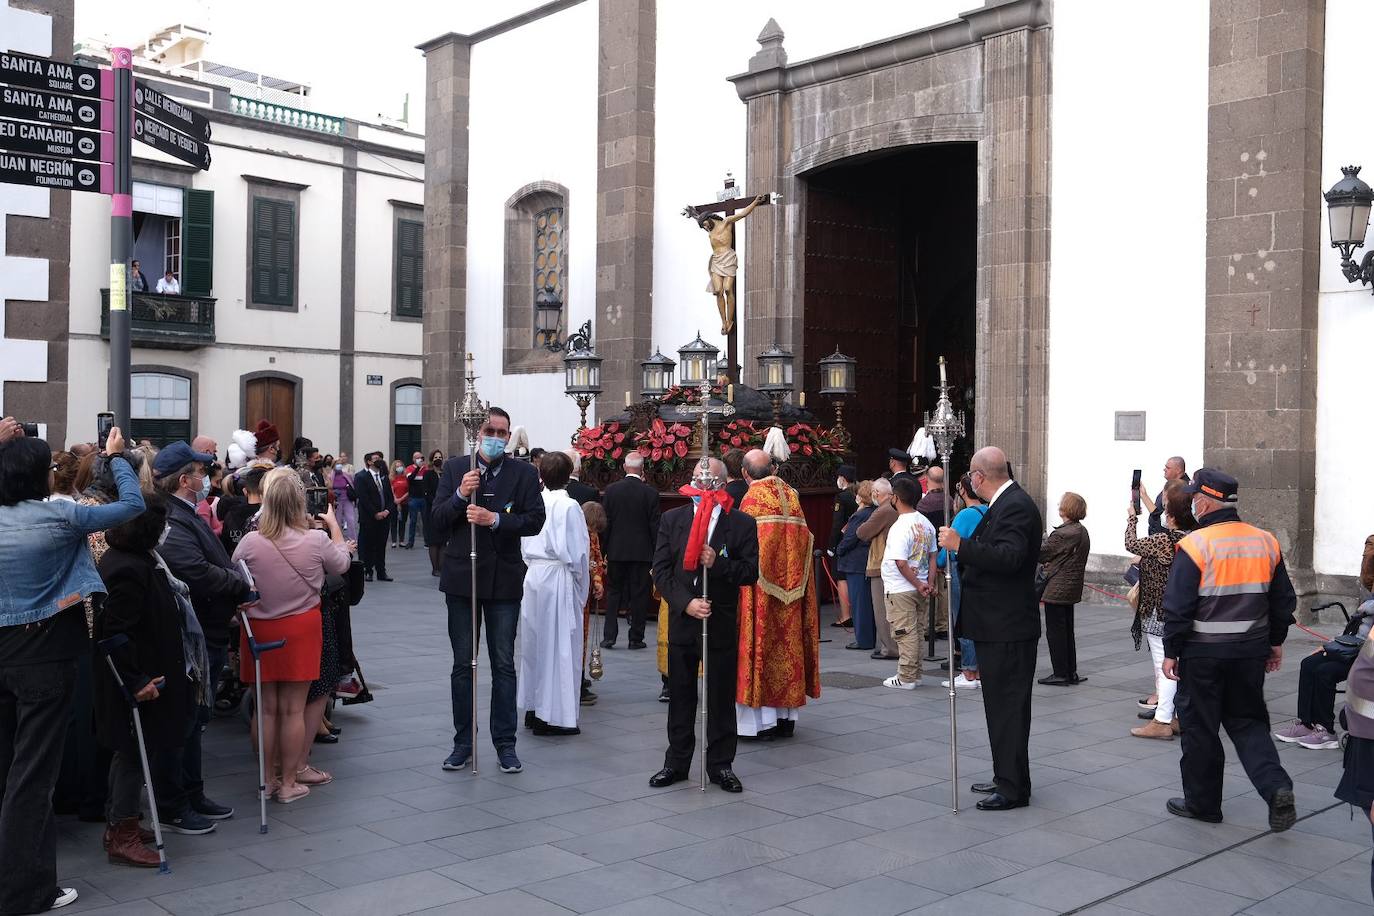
x: 165, y: 322
x: 275, y: 113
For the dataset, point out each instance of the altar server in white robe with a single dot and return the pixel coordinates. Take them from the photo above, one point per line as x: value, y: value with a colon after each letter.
x: 556, y: 583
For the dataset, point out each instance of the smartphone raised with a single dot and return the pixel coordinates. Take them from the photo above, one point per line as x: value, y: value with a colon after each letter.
x: 316, y: 501
x: 1135, y: 490
x: 104, y: 422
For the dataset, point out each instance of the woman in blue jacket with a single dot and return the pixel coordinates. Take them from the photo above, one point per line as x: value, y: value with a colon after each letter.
x: 851, y: 562
x: 45, y: 574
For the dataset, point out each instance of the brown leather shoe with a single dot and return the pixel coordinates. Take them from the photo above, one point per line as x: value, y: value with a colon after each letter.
x: 126, y: 848
x: 1154, y: 730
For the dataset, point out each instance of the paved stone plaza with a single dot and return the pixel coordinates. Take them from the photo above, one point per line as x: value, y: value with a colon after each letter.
x: 851, y: 816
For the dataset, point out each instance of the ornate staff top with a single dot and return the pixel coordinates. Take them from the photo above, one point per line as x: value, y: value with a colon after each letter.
x: 706, y: 410
x: 471, y: 411
x: 947, y: 424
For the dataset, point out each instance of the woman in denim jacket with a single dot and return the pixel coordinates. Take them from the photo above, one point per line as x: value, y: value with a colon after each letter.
x: 45, y: 574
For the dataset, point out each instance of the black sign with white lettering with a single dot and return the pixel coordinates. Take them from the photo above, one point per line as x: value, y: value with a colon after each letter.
x: 374, y: 379
x: 52, y: 75
x: 171, y: 141
x: 46, y: 140
x: 51, y: 108
x: 44, y: 172
x: 168, y: 110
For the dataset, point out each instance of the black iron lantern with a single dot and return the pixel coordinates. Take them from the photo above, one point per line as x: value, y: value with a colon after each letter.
x: 548, y: 310
x: 1348, y: 203
x: 775, y: 370
x: 837, y: 375
x: 582, y: 370
x: 698, y: 361
x: 657, y: 375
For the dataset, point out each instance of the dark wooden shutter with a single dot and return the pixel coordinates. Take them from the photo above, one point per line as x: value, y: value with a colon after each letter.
x: 198, y: 243
x: 274, y: 252
x: 410, y: 267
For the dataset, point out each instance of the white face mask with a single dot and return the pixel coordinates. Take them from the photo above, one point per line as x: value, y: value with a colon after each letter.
x: 840, y: 483
x: 1196, y: 512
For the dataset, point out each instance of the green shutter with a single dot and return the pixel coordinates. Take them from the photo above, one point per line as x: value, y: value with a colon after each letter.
x: 274, y: 252
x: 198, y: 243
x: 410, y: 267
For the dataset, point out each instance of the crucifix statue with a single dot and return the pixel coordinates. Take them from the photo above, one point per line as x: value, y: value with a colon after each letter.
x: 718, y: 220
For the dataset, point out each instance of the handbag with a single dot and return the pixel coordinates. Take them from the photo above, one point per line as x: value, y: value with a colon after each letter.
x: 1042, y: 581
x: 1133, y: 597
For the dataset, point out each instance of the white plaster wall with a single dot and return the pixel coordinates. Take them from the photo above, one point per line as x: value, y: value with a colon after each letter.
x: 372, y: 429
x: 533, y: 118
x: 1345, y: 331
x: 23, y: 278
x: 374, y: 276
x: 1125, y: 270
x: 700, y: 126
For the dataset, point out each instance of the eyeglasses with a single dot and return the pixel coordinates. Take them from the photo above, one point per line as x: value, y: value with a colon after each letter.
x: 54, y: 466
x: 495, y: 433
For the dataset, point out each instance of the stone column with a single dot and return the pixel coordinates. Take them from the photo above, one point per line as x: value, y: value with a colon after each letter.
x: 1264, y: 133
x: 447, y: 90
x: 625, y: 193
x: 1013, y: 252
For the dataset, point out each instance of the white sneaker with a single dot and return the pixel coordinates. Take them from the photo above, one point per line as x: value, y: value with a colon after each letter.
x: 897, y: 683
x: 963, y: 683
x: 65, y: 895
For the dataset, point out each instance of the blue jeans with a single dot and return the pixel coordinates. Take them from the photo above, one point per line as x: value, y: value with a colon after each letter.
x: 968, y: 657
x: 861, y: 606
x: 418, y: 518
x: 501, y: 618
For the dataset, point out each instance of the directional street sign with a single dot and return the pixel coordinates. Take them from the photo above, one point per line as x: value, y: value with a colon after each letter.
x: 52, y: 108
x: 59, y: 174
x: 46, y: 140
x: 168, y: 110
x: 171, y: 141
x: 52, y: 75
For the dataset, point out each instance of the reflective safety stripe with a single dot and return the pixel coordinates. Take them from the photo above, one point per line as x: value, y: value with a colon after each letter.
x: 1246, y: 588
x: 1360, y: 705
x: 1224, y: 626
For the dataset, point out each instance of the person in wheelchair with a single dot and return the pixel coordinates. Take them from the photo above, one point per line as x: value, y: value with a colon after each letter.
x: 1318, y: 677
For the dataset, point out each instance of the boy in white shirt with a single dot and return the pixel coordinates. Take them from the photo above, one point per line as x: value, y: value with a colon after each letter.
x: 907, y: 586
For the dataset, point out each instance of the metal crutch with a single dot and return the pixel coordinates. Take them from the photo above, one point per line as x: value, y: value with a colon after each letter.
x: 106, y: 647
x: 257, y: 648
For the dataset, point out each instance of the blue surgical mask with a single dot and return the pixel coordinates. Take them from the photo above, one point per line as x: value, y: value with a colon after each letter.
x: 493, y: 448
x: 696, y: 500
x: 205, y: 488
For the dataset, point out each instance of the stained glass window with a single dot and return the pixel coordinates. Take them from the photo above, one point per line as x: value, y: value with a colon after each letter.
x: 548, y: 250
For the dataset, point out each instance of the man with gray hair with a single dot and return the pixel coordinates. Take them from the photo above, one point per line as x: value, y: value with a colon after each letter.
x: 1174, y: 469
x: 632, y: 514
x: 873, y: 532
x: 576, y: 488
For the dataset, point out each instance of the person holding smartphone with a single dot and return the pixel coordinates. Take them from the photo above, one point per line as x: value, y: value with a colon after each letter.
x: 142, y: 604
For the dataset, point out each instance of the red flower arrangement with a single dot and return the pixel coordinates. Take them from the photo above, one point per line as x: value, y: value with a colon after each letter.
x: 744, y: 434
x: 689, y: 394
x: 604, y: 443
x: 665, y: 444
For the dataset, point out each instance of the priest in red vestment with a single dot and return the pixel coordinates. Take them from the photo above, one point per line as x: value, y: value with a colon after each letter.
x: 779, y: 639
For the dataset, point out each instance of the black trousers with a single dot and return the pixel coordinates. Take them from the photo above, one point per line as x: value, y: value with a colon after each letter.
x: 1318, y: 678
x: 721, y: 736
x: 1008, y: 673
x: 33, y: 727
x: 1059, y: 635
x: 629, y: 588
x: 372, y: 536
x: 1215, y: 693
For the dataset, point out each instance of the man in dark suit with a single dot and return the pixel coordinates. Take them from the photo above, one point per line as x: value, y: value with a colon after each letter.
x: 729, y: 559
x: 376, y: 504
x: 576, y: 488
x: 632, y: 516
x: 999, y: 612
x: 499, y: 501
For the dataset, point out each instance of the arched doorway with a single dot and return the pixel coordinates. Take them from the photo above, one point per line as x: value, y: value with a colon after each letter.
x: 275, y: 398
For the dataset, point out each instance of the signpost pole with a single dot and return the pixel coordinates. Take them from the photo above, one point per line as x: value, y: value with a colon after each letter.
x: 121, y: 237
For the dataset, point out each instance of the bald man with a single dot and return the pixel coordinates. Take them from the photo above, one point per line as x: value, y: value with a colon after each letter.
x: 999, y: 611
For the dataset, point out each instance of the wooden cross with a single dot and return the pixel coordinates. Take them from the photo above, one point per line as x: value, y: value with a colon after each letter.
x: 728, y: 201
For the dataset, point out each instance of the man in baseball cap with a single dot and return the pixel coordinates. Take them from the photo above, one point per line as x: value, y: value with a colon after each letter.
x: 176, y: 457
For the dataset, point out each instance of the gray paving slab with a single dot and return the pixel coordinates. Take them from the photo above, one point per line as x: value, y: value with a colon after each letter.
x: 851, y: 815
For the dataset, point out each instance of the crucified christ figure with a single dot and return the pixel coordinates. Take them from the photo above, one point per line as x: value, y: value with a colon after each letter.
x: 724, y: 262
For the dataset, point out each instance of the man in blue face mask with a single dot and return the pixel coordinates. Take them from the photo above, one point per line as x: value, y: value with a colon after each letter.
x: 498, y: 502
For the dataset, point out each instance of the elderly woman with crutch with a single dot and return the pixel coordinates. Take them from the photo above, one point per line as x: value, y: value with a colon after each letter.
x: 47, y: 572
x: 288, y: 560
x: 141, y: 630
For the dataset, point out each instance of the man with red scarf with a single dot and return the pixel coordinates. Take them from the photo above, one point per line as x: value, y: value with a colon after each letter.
x: 705, y: 538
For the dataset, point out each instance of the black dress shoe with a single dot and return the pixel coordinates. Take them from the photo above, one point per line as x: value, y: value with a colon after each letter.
x: 383, y: 577
x: 544, y: 729
x: 663, y: 694
x: 530, y: 718
x: 984, y: 788
x: 855, y: 645
x: 326, y: 739
x: 665, y: 777
x: 638, y: 644
x: 768, y: 734
x: 786, y: 728
x: 1075, y: 680
x: 608, y: 643
x: 367, y: 575
x: 999, y: 802
x: 1147, y: 716
x: 334, y: 730
x: 1179, y: 807
x: 727, y: 780
x: 886, y: 658
x: 1054, y: 680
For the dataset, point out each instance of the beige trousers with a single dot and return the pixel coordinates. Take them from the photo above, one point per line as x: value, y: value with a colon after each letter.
x: 906, y: 613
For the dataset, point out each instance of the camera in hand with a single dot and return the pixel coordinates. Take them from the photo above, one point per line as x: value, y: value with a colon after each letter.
x: 30, y: 429
x: 104, y: 422
x: 316, y: 501
x: 1135, y: 490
